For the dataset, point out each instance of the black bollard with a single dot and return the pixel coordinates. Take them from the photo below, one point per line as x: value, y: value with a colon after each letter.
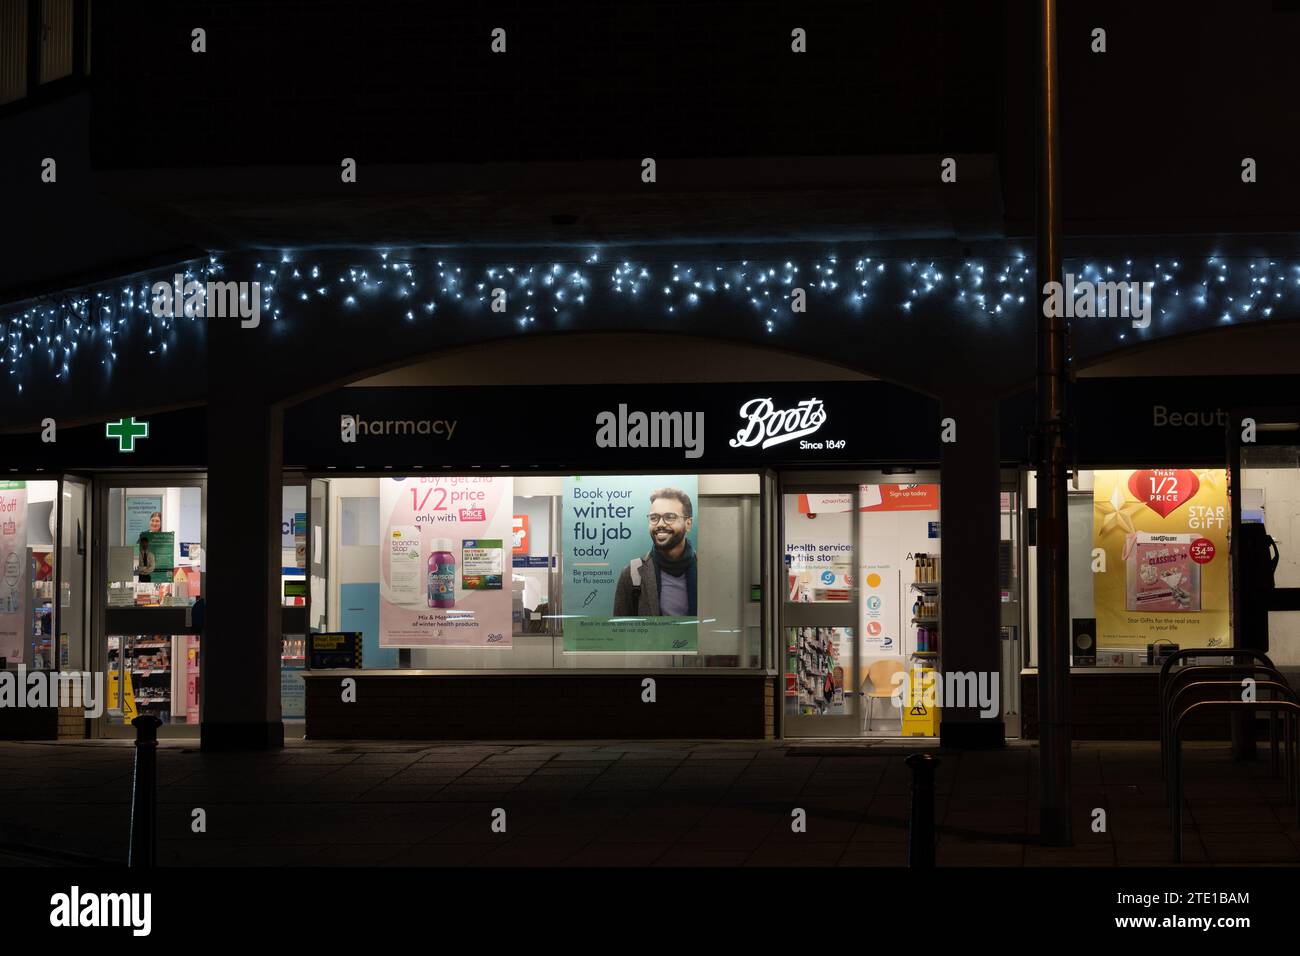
x: 144, y: 793
x: 920, y: 827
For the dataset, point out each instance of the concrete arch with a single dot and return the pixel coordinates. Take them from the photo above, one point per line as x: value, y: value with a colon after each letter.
x: 602, y: 357
x: 1256, y: 348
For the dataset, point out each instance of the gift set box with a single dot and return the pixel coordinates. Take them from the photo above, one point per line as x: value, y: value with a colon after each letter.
x: 1162, y: 575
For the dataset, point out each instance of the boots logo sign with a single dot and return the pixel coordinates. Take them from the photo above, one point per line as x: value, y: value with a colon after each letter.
x: 766, y: 425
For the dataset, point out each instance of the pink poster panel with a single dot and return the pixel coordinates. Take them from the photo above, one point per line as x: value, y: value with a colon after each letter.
x: 444, y: 561
x: 15, y: 620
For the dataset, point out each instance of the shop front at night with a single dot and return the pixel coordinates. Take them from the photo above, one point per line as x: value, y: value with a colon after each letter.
x: 860, y: 501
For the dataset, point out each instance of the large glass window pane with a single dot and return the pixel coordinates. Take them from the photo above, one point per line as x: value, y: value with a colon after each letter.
x: 1148, y: 553
x: 447, y: 556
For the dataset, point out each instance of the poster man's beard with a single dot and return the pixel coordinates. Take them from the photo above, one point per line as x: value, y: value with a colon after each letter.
x: 672, y: 542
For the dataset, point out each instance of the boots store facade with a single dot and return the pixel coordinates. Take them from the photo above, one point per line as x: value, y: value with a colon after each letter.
x: 697, y: 575
x: 717, y: 559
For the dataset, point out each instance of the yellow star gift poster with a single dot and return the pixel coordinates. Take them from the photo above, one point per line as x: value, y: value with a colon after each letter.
x: 1164, y: 534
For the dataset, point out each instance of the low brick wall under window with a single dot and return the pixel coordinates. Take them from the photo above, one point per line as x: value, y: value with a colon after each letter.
x: 72, y: 723
x: 396, y: 706
x: 1122, y: 706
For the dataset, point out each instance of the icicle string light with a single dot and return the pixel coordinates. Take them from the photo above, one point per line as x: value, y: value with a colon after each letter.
x: 45, y: 340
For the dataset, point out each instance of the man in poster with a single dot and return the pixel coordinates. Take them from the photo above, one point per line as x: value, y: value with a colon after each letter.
x: 662, y: 582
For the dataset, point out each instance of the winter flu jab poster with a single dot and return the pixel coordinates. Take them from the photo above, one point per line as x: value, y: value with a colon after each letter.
x: 623, y: 535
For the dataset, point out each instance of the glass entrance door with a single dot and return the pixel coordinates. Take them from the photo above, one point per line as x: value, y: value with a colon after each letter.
x: 861, y: 606
x: 819, y: 584
x: 150, y: 569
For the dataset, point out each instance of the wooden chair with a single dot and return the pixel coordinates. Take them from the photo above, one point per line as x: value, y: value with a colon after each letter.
x: 881, y: 677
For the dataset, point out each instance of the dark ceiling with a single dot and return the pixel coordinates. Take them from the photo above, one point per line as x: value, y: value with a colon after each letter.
x: 167, y: 152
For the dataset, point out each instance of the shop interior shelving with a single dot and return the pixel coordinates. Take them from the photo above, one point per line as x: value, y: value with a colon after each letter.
x: 929, y: 590
x: 149, y: 661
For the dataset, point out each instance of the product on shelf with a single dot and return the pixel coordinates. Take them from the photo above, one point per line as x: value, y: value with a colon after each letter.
x: 814, y: 676
x: 925, y: 609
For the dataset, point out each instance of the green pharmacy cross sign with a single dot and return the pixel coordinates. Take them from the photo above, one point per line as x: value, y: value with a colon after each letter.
x: 126, y: 431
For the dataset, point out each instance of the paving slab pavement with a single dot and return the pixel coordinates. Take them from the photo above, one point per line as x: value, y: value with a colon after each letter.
x: 638, y: 804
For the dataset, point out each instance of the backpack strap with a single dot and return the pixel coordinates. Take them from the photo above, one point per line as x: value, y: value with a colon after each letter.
x: 634, y: 567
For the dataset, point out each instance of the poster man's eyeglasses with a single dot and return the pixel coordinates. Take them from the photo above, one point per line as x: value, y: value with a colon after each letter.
x: 666, y: 519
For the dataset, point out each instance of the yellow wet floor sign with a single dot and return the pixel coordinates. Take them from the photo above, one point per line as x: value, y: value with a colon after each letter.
x: 129, y: 712
x: 920, y: 713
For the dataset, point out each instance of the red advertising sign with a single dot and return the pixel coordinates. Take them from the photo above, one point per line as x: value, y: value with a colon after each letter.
x: 519, y: 534
x: 1164, y: 490
x: 900, y: 498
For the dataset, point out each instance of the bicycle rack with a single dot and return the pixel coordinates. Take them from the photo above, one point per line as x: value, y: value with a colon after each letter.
x: 1282, y: 691
x: 1184, y: 675
x: 1184, y: 654
x: 1288, y: 707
